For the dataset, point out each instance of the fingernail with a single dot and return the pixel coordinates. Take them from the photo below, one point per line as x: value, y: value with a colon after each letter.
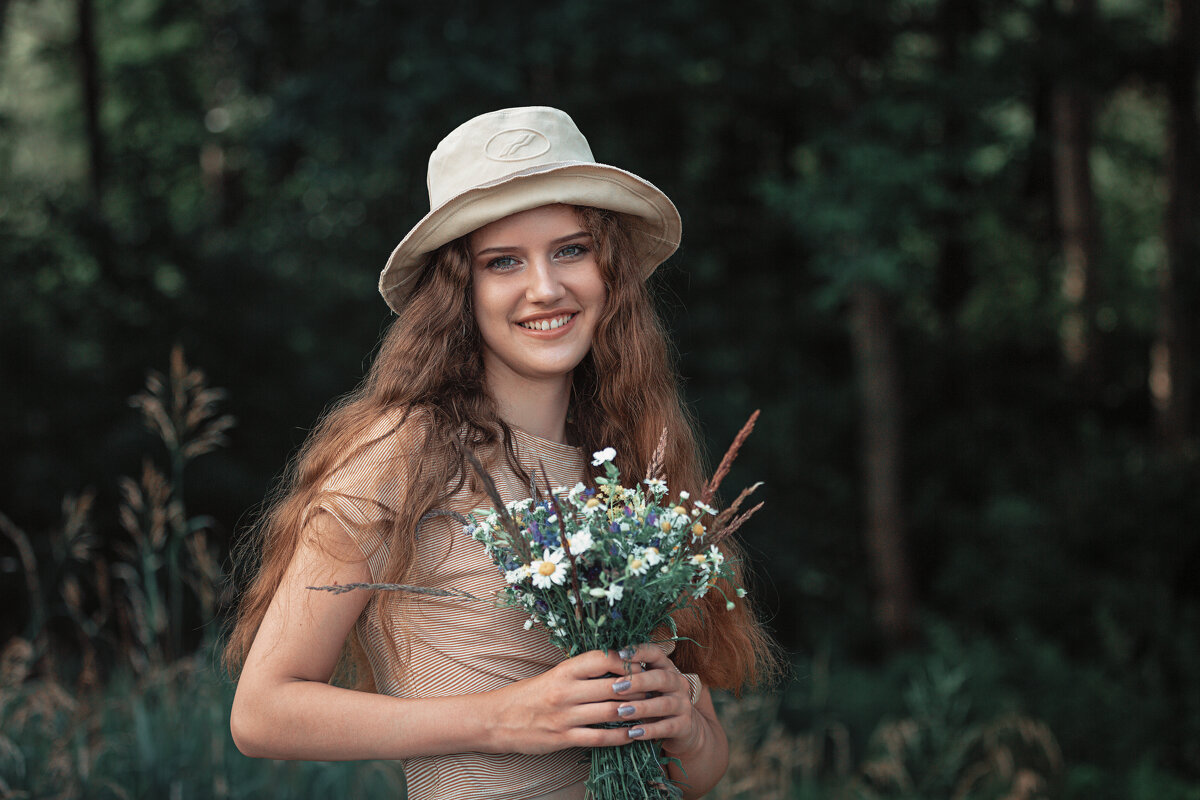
x: 636, y: 733
x: 625, y: 711
x: 621, y: 686
x: 626, y: 653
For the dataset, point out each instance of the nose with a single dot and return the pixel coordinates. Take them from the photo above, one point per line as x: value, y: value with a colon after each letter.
x: 544, y: 284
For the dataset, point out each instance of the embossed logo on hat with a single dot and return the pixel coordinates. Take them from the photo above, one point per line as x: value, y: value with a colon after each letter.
x: 516, y: 144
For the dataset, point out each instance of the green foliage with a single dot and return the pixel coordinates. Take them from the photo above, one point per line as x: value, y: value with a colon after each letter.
x: 163, y: 734
x: 262, y: 157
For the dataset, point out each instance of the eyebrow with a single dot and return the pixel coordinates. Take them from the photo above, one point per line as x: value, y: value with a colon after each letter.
x: 559, y: 240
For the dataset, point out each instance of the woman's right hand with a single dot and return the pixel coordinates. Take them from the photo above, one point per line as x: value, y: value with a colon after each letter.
x: 554, y: 710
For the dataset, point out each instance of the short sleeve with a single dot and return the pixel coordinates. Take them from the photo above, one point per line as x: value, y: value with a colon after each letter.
x: 364, y: 490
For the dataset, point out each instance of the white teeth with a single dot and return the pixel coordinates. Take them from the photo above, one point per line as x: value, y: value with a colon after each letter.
x: 547, y: 324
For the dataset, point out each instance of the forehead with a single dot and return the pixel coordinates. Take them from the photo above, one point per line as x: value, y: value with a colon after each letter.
x: 544, y: 223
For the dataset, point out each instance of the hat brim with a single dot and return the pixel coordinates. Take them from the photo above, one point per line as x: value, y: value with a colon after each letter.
x: 654, y: 220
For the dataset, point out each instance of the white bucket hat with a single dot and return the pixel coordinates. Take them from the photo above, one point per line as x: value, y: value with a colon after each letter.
x: 513, y: 160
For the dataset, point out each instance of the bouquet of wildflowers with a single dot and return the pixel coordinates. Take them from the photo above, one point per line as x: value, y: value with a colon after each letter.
x: 602, y: 567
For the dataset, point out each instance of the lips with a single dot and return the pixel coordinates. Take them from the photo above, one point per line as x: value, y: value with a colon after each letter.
x: 548, y: 323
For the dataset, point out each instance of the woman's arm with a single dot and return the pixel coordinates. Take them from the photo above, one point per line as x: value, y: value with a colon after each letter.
x: 285, y: 708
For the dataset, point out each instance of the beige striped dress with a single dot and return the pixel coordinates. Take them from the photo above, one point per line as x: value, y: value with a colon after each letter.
x: 453, y: 647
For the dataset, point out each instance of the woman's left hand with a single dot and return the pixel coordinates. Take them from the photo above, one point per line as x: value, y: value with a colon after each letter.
x: 660, y: 698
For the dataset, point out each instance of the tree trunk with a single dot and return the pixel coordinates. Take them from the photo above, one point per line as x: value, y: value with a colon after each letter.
x: 874, y: 335
x: 89, y: 67
x: 1172, y: 369
x: 1075, y: 199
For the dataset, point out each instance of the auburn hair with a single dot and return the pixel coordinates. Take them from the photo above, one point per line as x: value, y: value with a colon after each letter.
x: 624, y: 393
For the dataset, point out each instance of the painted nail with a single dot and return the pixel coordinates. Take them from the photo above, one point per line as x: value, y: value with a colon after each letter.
x: 636, y: 733
x: 625, y: 711
x: 621, y: 686
x: 626, y: 653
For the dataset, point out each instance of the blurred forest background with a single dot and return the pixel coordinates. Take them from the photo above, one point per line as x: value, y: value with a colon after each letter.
x: 950, y: 248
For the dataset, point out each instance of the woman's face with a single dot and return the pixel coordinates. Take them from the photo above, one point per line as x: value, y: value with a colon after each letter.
x: 537, y: 293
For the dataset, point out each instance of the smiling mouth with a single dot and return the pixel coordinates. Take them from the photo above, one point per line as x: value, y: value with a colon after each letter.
x: 547, y: 324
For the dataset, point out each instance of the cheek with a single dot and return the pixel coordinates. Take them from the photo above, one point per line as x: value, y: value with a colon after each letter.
x: 483, y: 305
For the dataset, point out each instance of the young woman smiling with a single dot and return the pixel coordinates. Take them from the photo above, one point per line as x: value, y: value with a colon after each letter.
x: 524, y: 330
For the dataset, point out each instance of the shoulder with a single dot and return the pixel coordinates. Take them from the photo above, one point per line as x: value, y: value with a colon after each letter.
x: 379, y: 445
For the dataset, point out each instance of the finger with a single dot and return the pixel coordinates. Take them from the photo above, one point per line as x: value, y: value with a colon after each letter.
x: 658, y: 681
x: 665, y: 728
x: 593, y: 664
x: 648, y: 709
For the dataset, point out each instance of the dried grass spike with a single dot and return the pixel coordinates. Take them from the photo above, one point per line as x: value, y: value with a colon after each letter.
x: 732, y: 527
x: 710, y: 491
x: 655, y: 467
x: 726, y: 515
x: 489, y: 486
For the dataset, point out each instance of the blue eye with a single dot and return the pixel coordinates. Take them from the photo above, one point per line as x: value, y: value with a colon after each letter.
x: 502, y: 263
x: 572, y: 251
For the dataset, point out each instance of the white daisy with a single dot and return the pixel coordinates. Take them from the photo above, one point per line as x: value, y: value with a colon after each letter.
x: 652, y: 556
x: 517, y: 575
x: 638, y: 564
x: 548, y: 570
x: 601, y: 456
x: 580, y: 542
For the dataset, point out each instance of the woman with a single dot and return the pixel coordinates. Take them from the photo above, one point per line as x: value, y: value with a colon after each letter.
x: 524, y: 329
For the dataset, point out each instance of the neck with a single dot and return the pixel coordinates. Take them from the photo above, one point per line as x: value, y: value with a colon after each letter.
x: 535, y: 406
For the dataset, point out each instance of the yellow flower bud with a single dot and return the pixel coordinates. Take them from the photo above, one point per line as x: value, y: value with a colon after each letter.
x: 592, y: 502
x: 665, y: 525
x: 697, y: 529
x: 680, y: 510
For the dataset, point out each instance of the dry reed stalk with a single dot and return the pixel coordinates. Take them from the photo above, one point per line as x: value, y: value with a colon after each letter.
x: 489, y: 486
x: 732, y: 527
x: 342, y: 588
x: 710, y: 491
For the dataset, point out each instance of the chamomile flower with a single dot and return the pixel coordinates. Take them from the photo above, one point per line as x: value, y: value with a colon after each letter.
x: 706, y: 508
x: 637, y: 564
x: 518, y: 574
x: 657, y: 486
x: 548, y: 570
x: 652, y: 556
x: 581, y: 542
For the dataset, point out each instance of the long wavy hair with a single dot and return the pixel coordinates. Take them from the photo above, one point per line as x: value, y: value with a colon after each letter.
x: 624, y: 392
